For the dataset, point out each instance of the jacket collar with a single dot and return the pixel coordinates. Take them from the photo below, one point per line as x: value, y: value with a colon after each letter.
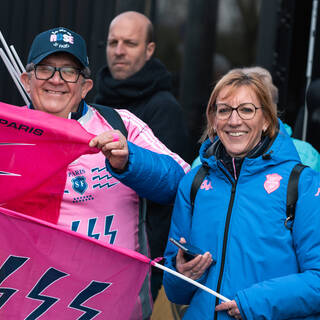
x: 82, y: 109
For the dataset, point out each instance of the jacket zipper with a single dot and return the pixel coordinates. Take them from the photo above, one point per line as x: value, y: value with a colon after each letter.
x: 225, y: 237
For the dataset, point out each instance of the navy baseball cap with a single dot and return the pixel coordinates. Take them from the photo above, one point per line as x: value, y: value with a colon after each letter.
x: 58, y: 40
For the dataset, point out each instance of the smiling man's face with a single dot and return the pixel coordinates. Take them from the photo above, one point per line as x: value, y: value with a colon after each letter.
x: 56, y: 96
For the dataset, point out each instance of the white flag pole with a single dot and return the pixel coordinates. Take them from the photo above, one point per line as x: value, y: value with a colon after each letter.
x: 17, y: 58
x: 195, y: 283
x: 9, y: 65
x: 13, y: 75
x: 13, y: 62
x: 313, y: 27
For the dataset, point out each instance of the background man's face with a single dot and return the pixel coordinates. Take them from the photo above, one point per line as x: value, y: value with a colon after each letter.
x: 127, y: 51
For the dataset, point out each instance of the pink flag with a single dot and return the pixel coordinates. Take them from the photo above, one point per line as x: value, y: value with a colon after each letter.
x: 35, y: 149
x: 47, y: 272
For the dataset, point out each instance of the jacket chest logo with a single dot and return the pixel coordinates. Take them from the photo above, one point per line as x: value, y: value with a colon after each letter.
x: 272, y: 182
x: 206, y: 185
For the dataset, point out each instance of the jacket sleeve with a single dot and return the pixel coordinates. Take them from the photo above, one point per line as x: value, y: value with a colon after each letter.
x: 152, y: 175
x: 295, y: 295
x: 178, y: 290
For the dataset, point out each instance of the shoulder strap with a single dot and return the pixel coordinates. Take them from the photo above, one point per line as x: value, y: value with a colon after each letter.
x: 112, y: 117
x: 197, y: 181
x: 292, y: 194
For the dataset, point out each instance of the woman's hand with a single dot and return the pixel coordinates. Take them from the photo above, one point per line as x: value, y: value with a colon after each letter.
x: 113, y: 145
x: 194, y: 268
x: 231, y: 308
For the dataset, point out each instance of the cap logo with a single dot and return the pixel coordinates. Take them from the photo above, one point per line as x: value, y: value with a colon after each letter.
x: 61, y: 39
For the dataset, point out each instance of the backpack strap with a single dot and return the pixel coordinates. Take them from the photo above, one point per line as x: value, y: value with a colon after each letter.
x: 292, y: 190
x: 196, y: 183
x: 113, y: 118
x: 292, y: 194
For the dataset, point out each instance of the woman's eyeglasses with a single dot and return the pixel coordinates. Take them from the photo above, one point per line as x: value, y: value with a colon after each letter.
x: 246, y: 111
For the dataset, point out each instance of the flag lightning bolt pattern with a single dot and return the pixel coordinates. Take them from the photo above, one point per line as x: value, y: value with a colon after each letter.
x: 10, y: 266
x: 50, y: 276
x: 93, y: 289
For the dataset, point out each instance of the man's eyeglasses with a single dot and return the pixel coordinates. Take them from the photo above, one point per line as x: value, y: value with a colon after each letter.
x: 68, y: 74
x: 246, y: 111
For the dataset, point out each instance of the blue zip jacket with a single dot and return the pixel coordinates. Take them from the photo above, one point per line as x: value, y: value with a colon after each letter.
x: 271, y: 272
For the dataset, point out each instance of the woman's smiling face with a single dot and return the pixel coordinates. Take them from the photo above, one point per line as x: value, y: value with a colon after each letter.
x: 239, y: 136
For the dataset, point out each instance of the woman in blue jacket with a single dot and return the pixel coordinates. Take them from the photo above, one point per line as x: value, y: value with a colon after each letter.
x: 238, y: 219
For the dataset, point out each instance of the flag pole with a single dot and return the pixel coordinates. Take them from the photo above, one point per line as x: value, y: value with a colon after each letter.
x: 15, y: 54
x: 10, y: 56
x: 195, y: 283
x: 14, y: 76
x: 313, y: 28
x: 13, y: 68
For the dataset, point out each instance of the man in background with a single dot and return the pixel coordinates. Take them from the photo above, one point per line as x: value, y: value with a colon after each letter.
x: 134, y: 80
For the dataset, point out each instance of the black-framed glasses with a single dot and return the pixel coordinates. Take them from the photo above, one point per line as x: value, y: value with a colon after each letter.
x: 246, y: 111
x: 68, y: 74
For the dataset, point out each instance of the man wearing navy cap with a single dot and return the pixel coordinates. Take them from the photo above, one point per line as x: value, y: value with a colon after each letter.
x: 102, y: 192
x: 58, y: 93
